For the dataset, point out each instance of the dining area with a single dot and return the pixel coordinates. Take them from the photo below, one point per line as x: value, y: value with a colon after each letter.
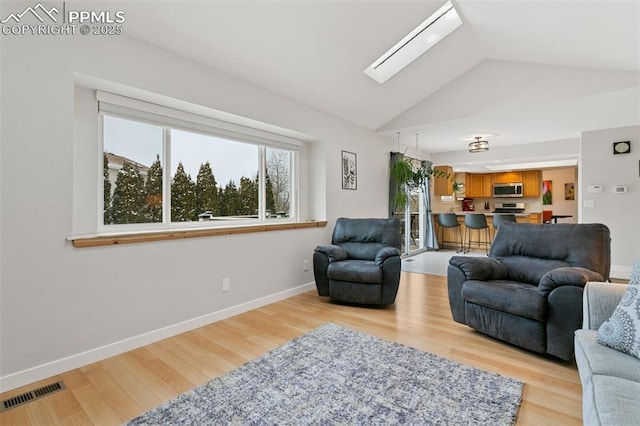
x: 549, y: 217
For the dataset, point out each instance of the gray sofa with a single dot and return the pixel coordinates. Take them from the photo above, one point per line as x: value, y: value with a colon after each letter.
x: 362, y: 263
x: 528, y: 292
x: 610, y: 379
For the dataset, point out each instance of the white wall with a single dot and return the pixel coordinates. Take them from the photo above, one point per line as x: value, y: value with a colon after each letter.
x: 620, y: 212
x: 558, y: 178
x: 62, y: 306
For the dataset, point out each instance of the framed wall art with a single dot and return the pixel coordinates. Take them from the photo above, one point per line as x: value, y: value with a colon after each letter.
x: 349, y: 170
x: 547, y: 193
x: 569, y: 191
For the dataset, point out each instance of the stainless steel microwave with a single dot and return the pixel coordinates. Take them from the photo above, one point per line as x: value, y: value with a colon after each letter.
x: 507, y: 190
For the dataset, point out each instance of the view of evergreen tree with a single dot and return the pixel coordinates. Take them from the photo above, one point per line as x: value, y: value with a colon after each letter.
x: 270, y: 200
x: 228, y: 200
x: 106, y: 191
x: 183, y: 197
x: 139, y: 199
x: 153, y: 192
x: 279, y: 172
x: 248, y: 196
x: 206, y: 190
x: 128, y: 202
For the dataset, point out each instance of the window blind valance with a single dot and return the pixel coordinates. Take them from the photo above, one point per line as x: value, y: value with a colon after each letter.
x: 162, y: 115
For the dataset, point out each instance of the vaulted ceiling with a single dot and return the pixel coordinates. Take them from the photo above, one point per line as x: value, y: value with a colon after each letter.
x: 522, y: 71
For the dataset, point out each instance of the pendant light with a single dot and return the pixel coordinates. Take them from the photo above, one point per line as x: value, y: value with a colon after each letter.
x: 479, y: 145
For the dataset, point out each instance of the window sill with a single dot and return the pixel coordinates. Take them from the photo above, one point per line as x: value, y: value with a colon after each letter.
x: 143, y: 237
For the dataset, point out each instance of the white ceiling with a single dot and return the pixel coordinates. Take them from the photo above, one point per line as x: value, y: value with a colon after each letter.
x: 524, y: 71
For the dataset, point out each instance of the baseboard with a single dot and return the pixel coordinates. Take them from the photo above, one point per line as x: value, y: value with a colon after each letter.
x: 41, y: 372
x: 620, y: 272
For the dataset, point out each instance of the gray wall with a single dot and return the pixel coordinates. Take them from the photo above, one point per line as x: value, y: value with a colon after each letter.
x: 620, y: 212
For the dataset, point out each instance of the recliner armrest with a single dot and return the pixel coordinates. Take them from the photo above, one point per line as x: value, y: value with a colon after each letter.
x: 333, y: 252
x: 479, y: 268
x: 566, y: 276
x: 385, y: 253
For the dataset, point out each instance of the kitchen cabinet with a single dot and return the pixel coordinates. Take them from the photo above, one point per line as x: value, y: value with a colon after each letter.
x: 532, y: 183
x: 487, y: 185
x: 508, y: 177
x: 460, y: 179
x: 479, y: 185
x: 473, y: 185
x: 443, y: 185
x: 535, y: 218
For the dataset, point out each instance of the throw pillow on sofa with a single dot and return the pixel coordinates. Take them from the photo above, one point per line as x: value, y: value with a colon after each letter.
x: 622, y: 330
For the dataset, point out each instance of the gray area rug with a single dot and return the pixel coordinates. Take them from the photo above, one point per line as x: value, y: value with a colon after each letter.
x: 336, y: 375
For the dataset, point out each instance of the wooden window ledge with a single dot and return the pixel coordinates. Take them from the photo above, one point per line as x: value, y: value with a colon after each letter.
x: 142, y: 237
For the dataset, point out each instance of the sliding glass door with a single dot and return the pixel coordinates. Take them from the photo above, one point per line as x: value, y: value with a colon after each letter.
x: 412, y: 223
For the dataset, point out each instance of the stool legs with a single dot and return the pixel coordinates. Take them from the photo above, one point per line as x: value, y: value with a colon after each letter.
x: 486, y: 242
x: 457, y: 236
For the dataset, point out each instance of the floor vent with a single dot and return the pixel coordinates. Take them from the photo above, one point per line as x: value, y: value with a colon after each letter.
x: 27, y: 397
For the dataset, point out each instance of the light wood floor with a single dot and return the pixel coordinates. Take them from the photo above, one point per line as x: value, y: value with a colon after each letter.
x: 112, y: 391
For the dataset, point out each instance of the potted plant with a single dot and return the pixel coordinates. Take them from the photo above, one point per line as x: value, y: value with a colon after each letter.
x: 408, y: 177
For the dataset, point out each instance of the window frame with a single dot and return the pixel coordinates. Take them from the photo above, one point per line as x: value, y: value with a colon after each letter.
x: 253, y: 137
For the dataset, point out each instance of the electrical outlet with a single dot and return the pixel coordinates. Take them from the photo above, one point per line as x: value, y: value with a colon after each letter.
x: 588, y: 203
x: 225, y: 284
x: 305, y: 265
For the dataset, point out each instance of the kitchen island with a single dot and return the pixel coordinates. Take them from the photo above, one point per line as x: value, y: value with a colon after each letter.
x: 448, y: 234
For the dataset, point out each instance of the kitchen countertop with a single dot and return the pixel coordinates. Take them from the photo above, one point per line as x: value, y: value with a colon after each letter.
x: 462, y: 213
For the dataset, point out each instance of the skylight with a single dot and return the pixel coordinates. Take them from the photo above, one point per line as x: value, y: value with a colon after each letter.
x: 426, y: 35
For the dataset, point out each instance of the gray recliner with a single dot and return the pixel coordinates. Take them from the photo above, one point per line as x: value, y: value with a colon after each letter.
x: 528, y: 291
x: 362, y: 264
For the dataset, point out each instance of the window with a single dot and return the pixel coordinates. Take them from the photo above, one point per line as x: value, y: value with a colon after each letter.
x: 160, y: 171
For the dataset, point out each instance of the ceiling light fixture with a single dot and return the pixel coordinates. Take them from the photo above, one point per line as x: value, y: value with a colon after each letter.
x: 479, y: 145
x: 426, y: 35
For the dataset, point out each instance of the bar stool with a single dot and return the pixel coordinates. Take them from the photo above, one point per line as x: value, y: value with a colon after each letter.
x: 450, y: 220
x: 498, y: 218
x: 478, y: 222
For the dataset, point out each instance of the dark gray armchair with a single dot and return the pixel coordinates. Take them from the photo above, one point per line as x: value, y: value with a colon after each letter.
x: 362, y: 264
x: 528, y: 291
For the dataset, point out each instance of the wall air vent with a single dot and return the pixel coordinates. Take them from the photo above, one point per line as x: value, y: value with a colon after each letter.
x: 436, y: 27
x: 27, y: 397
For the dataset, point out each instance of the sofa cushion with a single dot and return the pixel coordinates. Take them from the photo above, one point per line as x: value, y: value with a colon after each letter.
x: 363, y: 238
x: 357, y: 271
x: 529, y: 269
x: 596, y: 359
x: 622, y: 330
x: 362, y: 251
x: 616, y: 400
x: 517, y: 330
x: 507, y: 296
x: 587, y: 245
